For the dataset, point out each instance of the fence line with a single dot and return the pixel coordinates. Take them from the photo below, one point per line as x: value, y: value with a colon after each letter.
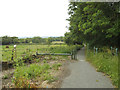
x: 114, y: 51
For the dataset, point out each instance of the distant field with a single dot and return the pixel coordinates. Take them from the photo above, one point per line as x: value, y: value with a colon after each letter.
x: 58, y: 42
x: 31, y: 49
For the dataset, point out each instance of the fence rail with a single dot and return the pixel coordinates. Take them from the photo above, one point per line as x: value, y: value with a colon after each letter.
x: 114, y: 51
x: 60, y: 54
x: 13, y: 53
x: 66, y: 54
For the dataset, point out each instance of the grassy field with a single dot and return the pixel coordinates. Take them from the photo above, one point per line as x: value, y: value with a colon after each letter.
x: 23, y: 75
x: 105, y: 62
x: 42, y: 69
x: 31, y: 49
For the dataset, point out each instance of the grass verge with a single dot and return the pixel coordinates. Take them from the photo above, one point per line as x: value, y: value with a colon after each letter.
x: 23, y: 75
x: 106, y: 63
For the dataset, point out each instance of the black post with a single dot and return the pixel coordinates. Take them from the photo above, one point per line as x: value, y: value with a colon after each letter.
x: 36, y: 53
x: 12, y: 54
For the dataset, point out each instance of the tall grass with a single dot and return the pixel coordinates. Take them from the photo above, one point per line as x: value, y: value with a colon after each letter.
x: 106, y: 63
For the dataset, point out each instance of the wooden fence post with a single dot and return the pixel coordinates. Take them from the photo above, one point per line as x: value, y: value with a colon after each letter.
x: 12, y: 54
x: 15, y: 52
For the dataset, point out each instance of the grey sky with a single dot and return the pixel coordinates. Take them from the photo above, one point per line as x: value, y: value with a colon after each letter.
x: 33, y: 17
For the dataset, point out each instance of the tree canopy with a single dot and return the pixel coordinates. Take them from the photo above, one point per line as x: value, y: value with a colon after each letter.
x: 95, y: 23
x: 6, y: 40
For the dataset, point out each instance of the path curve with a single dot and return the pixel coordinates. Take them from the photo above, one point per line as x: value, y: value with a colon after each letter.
x: 84, y: 75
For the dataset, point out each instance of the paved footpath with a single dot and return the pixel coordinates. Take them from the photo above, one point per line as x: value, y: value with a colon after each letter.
x: 84, y: 75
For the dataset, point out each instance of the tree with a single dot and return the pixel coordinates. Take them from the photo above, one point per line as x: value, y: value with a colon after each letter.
x: 93, y: 24
x: 36, y: 39
x: 14, y: 40
x: 6, y: 40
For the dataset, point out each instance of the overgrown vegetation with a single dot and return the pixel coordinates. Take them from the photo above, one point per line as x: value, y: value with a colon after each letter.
x: 105, y: 62
x: 27, y: 50
x: 56, y: 66
x: 23, y: 74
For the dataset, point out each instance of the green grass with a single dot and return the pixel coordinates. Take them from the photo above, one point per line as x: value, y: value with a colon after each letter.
x: 56, y: 66
x: 106, y: 63
x: 31, y: 49
x: 24, y: 74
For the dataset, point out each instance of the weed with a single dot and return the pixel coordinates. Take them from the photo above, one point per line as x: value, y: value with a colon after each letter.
x: 37, y: 60
x: 18, y: 62
x: 44, y: 61
x: 56, y: 66
x: 5, y: 77
x: 31, y: 72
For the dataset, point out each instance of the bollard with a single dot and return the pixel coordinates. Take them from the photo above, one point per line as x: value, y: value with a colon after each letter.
x: 111, y: 49
x: 96, y: 50
x: 116, y: 51
x: 36, y: 53
x: 71, y: 55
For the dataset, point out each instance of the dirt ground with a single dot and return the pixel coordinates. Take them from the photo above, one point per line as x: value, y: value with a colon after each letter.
x: 63, y: 72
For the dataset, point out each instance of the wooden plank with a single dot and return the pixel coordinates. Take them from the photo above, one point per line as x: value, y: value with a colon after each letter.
x: 54, y: 54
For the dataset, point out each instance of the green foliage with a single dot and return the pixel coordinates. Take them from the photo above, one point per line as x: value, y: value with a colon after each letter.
x: 5, y: 77
x: 36, y: 39
x: 44, y: 61
x: 28, y: 56
x: 56, y: 66
x: 64, y: 48
x: 31, y: 72
x: 9, y: 40
x: 18, y: 62
x: 23, y: 51
x: 6, y: 40
x: 105, y: 62
x: 90, y: 23
x: 37, y: 60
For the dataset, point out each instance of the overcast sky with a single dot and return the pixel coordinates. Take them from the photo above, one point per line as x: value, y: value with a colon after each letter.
x: 27, y: 18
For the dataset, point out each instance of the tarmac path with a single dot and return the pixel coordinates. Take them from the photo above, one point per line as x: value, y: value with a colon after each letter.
x: 84, y: 75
